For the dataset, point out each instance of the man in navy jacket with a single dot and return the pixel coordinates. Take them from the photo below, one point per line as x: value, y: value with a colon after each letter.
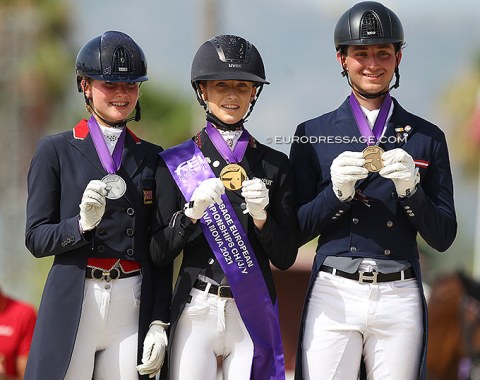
x: 369, y: 178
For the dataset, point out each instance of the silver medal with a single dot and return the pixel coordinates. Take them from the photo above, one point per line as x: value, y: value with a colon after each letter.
x: 116, y: 186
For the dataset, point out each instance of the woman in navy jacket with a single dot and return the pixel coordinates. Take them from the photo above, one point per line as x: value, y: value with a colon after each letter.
x: 102, y: 293
x: 226, y: 201
x: 369, y: 178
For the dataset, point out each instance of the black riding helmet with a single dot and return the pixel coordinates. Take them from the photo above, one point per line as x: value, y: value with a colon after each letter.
x: 112, y: 57
x: 369, y: 23
x: 227, y: 57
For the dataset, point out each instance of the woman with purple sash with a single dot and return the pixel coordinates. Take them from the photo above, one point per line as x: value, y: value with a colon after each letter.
x: 225, y: 200
x: 369, y: 178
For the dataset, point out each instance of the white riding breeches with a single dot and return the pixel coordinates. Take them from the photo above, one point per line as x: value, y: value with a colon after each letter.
x: 106, y: 342
x: 210, y: 326
x: 346, y: 320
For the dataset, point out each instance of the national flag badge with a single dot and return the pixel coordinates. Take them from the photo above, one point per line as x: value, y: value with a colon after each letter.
x: 147, y: 197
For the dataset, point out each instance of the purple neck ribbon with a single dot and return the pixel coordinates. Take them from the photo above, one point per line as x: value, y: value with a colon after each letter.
x: 230, y: 245
x: 371, y: 136
x: 109, y: 163
x: 223, y: 148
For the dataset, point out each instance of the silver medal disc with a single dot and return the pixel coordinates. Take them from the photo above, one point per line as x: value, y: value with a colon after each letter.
x: 116, y: 186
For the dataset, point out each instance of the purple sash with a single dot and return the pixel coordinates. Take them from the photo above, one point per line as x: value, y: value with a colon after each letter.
x: 371, y: 136
x: 229, y: 243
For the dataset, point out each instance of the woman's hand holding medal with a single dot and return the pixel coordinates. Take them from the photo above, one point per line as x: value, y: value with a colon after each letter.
x: 256, y: 196
x: 208, y: 192
x: 92, y: 206
x: 399, y: 166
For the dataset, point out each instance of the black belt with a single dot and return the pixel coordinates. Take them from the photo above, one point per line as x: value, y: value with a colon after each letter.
x: 107, y: 275
x: 219, y: 290
x: 371, y: 277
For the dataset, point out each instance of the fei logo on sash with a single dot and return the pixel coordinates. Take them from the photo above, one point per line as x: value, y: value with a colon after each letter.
x: 189, y: 168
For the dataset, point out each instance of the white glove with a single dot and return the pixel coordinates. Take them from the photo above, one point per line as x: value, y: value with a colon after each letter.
x: 93, y: 205
x: 154, y: 347
x: 398, y: 166
x: 346, y: 169
x: 256, y: 196
x: 208, y: 192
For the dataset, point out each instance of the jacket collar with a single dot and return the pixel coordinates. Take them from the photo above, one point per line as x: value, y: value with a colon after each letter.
x: 400, y: 122
x: 132, y: 157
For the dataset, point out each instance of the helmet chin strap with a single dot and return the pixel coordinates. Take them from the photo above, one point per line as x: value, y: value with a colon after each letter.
x: 119, y: 124
x: 378, y: 94
x: 220, y: 124
x: 224, y: 126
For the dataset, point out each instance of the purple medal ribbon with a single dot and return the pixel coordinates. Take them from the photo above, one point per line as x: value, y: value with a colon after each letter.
x: 370, y: 135
x: 229, y: 242
x: 222, y: 147
x: 109, y: 163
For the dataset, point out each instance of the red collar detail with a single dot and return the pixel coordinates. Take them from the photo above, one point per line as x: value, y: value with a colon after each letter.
x: 81, y: 130
x: 134, y: 137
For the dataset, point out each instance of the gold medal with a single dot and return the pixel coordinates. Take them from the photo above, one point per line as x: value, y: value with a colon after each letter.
x: 232, y: 176
x: 373, y: 158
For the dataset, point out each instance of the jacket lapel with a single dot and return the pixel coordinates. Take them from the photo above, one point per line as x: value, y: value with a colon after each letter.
x: 400, y: 126
x: 346, y: 126
x: 132, y: 157
x: 82, y: 141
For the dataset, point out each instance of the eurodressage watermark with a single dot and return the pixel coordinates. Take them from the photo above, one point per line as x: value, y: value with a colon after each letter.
x: 334, y: 139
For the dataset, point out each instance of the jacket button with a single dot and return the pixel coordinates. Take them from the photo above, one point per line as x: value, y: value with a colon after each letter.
x: 389, y: 223
x: 386, y: 252
x: 243, y: 206
x: 353, y: 249
x: 130, y: 252
x: 130, y: 211
x: 355, y: 220
x: 130, y: 231
x: 100, y: 249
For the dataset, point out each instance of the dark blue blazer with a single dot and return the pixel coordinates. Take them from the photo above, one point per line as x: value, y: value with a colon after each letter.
x: 62, y: 166
x: 388, y: 227
x: 275, y: 244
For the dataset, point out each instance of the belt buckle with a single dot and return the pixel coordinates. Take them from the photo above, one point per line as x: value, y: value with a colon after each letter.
x: 99, y: 274
x: 367, y: 277
x: 220, y: 288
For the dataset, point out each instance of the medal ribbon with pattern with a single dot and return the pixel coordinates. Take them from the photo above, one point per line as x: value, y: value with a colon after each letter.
x: 373, y: 153
x: 233, y: 174
x: 116, y: 186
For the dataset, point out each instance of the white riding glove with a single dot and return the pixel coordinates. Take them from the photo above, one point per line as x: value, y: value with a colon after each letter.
x: 92, y: 206
x: 399, y: 166
x: 256, y: 196
x: 346, y: 169
x: 154, y: 348
x: 208, y: 192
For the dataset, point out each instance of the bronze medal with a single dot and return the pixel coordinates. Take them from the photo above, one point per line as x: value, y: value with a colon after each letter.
x: 116, y: 186
x: 232, y: 176
x: 373, y: 158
